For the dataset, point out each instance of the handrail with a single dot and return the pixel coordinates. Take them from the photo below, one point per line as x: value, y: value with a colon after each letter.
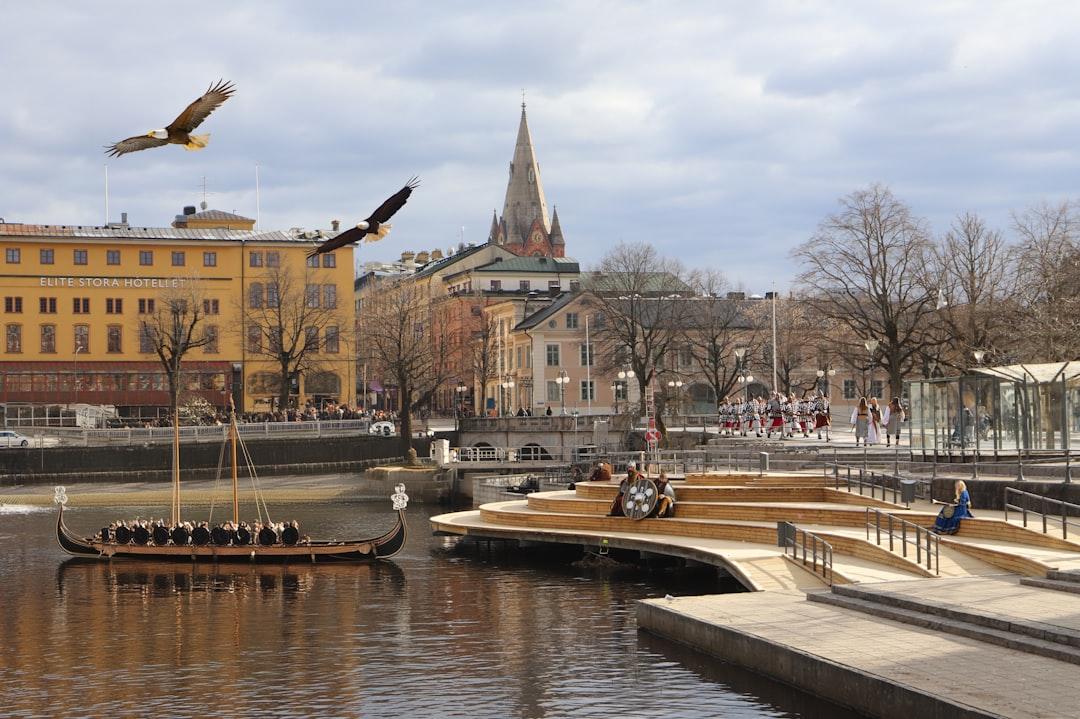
x: 1046, y: 516
x: 861, y: 477
x: 932, y: 546
x: 794, y: 537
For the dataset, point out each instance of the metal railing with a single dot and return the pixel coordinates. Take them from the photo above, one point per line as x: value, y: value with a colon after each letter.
x: 926, y: 543
x: 879, y: 485
x: 206, y: 433
x: 1062, y: 510
x: 817, y: 554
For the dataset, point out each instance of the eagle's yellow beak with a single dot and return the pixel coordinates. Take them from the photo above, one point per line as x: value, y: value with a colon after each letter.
x: 150, y: 134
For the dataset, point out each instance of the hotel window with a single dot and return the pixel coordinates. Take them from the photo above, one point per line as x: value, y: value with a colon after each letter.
x: 211, y: 346
x: 14, y: 338
x: 48, y: 339
x: 329, y: 295
x: 146, y: 306
x: 273, y: 258
x: 877, y: 389
x: 274, y: 344
x: 311, y: 296
x: 255, y: 296
x: 12, y: 255
x: 850, y: 390
x: 553, y: 355
x: 112, y: 257
x: 146, y: 339
x: 82, y: 338
x: 621, y: 390
x: 311, y: 339
x: 48, y: 257
x: 496, y: 285
x: 209, y: 259
x: 331, y: 340
x: 313, y: 261
x: 587, y: 355
x: 571, y: 320
x: 81, y: 305
x: 112, y: 333
x: 146, y: 257
x: 328, y: 260
x: 588, y: 392
x: 47, y: 305
x: 211, y: 307
x: 552, y: 391
x: 523, y: 285
x: 114, y: 306
x: 12, y: 304
x: 81, y: 257
x: 273, y: 295
x: 178, y: 259
x: 254, y: 339
x: 255, y: 259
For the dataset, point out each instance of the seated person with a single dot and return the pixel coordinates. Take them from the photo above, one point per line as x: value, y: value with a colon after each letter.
x: 948, y: 520
x: 600, y: 473
x: 665, y: 507
x: 632, y: 475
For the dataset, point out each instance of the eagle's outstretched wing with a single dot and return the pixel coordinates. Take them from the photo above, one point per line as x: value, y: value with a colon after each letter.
x: 394, y: 203
x: 133, y: 144
x: 199, y: 110
x: 349, y: 236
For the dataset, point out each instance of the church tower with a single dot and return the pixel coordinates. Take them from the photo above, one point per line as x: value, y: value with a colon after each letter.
x: 524, y: 228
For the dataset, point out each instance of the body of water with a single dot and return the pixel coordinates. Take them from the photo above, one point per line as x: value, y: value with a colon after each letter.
x: 440, y: 630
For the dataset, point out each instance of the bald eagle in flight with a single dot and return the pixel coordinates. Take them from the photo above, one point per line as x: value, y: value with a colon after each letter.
x: 374, y: 228
x: 179, y: 132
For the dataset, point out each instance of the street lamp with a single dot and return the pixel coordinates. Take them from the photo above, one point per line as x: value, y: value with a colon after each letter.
x: 677, y: 385
x: 459, y: 392
x: 624, y: 377
x: 979, y: 355
x: 562, y: 381
x: 825, y: 385
x: 745, y: 378
x: 508, y: 388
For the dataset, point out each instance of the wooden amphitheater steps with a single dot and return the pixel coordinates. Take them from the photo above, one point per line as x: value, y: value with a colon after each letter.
x: 754, y: 480
x: 707, y: 493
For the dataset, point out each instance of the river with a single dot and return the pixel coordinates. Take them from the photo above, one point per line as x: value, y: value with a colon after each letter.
x: 440, y: 630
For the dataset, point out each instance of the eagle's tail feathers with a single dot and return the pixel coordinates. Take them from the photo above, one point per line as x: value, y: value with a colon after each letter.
x: 197, y: 142
x: 378, y: 234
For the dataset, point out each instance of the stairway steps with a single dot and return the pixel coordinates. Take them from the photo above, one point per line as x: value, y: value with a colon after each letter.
x: 1034, y: 630
x: 1019, y: 642
x: 1071, y: 577
x: 1059, y: 586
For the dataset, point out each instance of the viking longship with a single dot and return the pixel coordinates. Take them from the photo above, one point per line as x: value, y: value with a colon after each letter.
x: 235, y: 540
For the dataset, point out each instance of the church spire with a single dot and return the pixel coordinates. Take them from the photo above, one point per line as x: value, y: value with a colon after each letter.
x: 556, y: 229
x: 525, y: 201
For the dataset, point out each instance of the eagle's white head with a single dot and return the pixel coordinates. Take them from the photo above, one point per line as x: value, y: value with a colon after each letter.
x: 362, y: 225
x: 161, y: 134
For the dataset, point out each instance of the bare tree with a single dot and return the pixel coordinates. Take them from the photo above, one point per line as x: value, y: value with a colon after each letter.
x: 483, y: 354
x: 715, y: 326
x: 977, y: 274
x: 799, y: 341
x: 408, y: 341
x: 867, y: 269
x: 1048, y: 319
x: 172, y: 330
x: 289, y: 319
x: 636, y: 294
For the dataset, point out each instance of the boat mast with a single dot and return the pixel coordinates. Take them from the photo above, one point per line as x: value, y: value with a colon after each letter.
x: 176, y: 468
x: 233, y: 436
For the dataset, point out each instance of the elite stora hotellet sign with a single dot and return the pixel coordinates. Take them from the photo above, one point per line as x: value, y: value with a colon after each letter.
x: 152, y: 282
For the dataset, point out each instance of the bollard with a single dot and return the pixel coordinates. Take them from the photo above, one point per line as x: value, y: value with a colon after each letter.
x: 763, y: 463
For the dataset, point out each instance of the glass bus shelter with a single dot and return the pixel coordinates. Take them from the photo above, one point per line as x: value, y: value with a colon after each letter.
x: 997, y: 409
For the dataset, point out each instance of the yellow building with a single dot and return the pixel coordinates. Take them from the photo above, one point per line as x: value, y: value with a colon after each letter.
x: 74, y: 298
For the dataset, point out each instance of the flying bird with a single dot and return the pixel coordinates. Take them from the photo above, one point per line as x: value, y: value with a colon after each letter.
x: 179, y: 132
x: 374, y: 228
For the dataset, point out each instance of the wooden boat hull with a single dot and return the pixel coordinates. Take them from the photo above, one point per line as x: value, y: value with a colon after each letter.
x: 363, y: 550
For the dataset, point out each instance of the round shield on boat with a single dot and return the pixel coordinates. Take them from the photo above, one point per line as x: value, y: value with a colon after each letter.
x: 141, y: 534
x: 200, y: 536
x: 640, y: 498
x: 243, y: 536
x: 220, y: 536
x: 106, y: 534
x: 290, y: 535
x: 267, y: 536
x: 123, y: 535
x: 180, y: 536
x: 161, y: 535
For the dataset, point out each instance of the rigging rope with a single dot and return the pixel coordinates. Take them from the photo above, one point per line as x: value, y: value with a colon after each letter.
x: 213, y: 492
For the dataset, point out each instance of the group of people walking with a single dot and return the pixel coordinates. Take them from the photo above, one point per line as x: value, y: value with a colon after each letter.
x: 780, y: 414
x: 870, y: 422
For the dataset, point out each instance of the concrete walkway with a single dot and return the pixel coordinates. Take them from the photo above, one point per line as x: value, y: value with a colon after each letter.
x: 877, y: 666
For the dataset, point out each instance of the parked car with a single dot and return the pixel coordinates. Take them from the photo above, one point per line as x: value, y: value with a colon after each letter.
x: 384, y: 429
x: 9, y: 438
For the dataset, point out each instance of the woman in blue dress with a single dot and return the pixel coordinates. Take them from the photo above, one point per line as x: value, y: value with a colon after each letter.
x: 948, y: 520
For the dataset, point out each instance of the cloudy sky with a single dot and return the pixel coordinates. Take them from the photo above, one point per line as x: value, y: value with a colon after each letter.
x: 722, y: 132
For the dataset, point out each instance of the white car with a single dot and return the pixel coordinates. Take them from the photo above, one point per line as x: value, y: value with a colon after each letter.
x: 9, y: 438
x: 383, y: 429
